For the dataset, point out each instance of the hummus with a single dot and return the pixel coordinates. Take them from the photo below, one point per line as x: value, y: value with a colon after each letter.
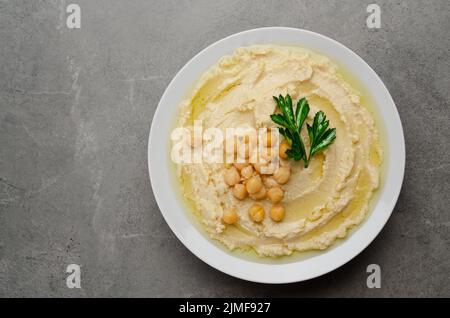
x: 322, y: 201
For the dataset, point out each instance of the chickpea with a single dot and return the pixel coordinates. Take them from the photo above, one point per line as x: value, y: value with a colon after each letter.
x: 277, y: 212
x: 230, y: 216
x: 269, y: 182
x: 285, y: 163
x: 261, y: 165
x: 283, y: 147
x: 247, y: 172
x: 240, y: 166
x: 232, y: 176
x: 239, y: 191
x: 257, y: 166
x: 275, y: 194
x: 254, y: 184
x: 260, y: 195
x: 256, y: 212
x: 282, y: 175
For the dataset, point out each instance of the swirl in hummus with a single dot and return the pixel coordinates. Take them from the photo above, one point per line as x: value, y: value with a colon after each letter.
x: 322, y: 201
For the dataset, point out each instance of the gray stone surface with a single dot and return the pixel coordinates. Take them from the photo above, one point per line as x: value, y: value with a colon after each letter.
x: 75, y: 113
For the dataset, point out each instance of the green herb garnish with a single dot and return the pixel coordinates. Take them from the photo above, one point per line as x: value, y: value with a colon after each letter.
x: 320, y: 136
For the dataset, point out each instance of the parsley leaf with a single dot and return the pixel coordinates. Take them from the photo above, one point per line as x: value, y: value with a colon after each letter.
x: 320, y: 136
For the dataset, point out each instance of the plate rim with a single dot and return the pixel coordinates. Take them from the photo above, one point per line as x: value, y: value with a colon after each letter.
x: 188, y: 240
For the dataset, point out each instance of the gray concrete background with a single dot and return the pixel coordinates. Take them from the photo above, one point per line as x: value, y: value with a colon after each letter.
x: 75, y: 113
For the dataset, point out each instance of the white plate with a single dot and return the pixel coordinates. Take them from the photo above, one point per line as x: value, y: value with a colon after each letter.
x: 174, y: 210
